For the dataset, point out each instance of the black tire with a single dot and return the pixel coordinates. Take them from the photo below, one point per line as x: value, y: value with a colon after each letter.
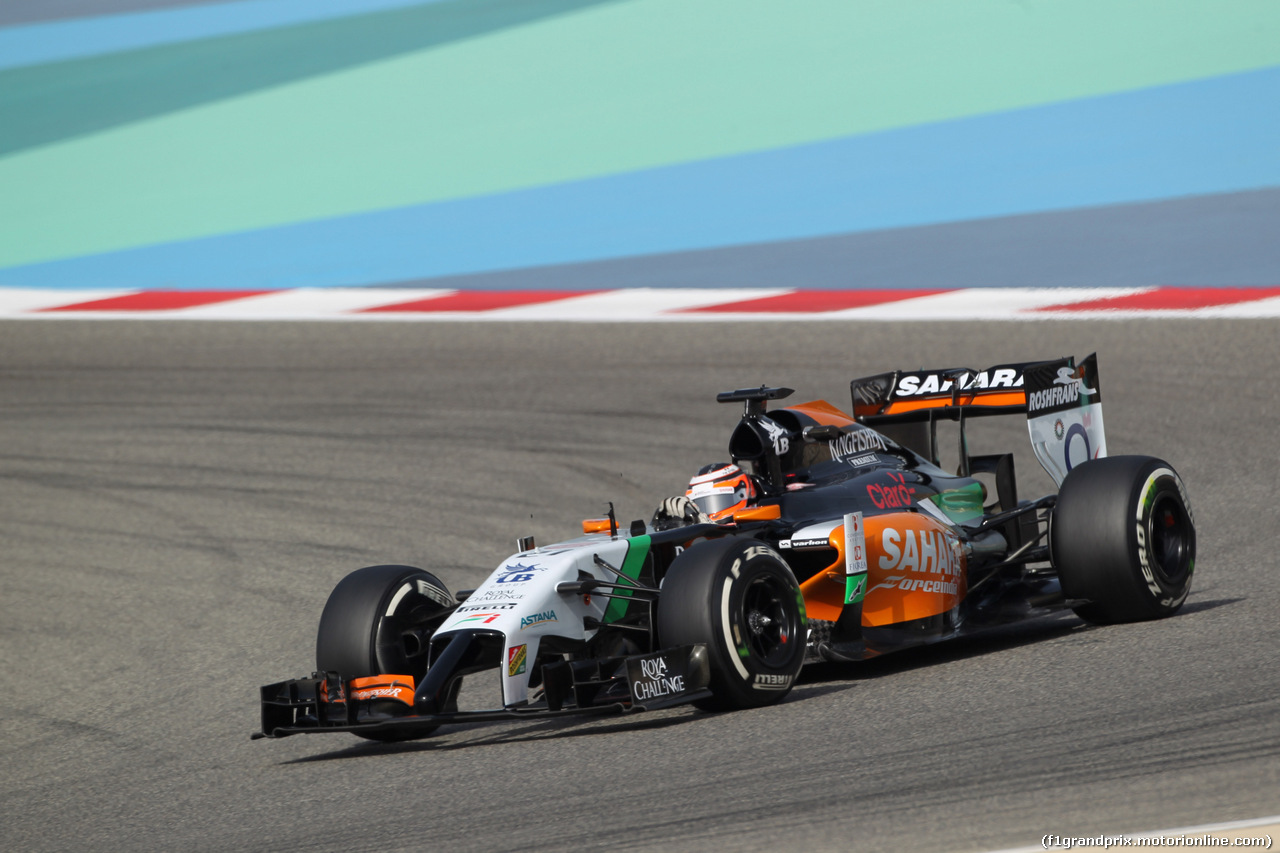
x: 377, y: 622
x: 1123, y: 538
x: 741, y: 599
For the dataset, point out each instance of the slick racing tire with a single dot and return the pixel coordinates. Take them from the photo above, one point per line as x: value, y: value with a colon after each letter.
x: 1122, y: 539
x: 378, y: 621
x: 741, y: 599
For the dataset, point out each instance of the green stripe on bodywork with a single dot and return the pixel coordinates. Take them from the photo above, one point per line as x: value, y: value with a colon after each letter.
x: 637, y: 550
x: 961, y: 505
x: 607, y: 89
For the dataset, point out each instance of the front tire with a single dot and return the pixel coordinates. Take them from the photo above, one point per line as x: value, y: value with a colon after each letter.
x: 739, y: 598
x: 378, y: 621
x: 1123, y: 538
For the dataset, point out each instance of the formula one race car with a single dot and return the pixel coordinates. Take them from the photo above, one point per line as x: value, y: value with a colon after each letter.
x: 830, y: 537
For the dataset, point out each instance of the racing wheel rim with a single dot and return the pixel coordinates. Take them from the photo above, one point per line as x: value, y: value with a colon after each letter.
x: 1169, y: 532
x: 769, y: 622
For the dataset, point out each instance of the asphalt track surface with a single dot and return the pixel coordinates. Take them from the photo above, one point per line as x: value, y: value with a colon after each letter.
x: 177, y: 500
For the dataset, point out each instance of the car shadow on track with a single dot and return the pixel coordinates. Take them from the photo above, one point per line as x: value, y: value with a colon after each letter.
x: 997, y: 639
x: 1212, y: 604
x: 948, y: 651
x: 816, y: 680
x: 503, y: 732
x: 492, y: 734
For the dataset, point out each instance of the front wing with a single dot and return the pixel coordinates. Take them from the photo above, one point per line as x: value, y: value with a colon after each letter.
x: 325, y: 703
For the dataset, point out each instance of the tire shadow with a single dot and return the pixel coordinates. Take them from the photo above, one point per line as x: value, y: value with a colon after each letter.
x: 818, y: 679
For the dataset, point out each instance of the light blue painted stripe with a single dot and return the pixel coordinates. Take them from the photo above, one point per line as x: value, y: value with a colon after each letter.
x: 1198, y: 138
x: 56, y: 41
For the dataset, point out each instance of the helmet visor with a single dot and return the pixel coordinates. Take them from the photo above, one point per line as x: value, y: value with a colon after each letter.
x: 719, y: 501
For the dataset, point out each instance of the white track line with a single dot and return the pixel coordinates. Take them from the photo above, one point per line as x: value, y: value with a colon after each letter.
x: 649, y: 305
x: 16, y: 302
x: 989, y: 303
x: 308, y: 304
x: 1260, y: 308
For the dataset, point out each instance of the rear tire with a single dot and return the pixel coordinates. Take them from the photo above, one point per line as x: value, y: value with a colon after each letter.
x: 378, y: 621
x: 739, y: 598
x: 1122, y: 536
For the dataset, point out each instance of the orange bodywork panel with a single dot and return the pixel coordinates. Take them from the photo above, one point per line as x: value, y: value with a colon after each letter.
x: 824, y: 592
x: 915, y: 569
x: 758, y: 513
x: 823, y: 412
x: 979, y: 400
x: 399, y: 687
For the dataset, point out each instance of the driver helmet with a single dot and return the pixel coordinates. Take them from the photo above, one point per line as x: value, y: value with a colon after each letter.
x: 720, y: 489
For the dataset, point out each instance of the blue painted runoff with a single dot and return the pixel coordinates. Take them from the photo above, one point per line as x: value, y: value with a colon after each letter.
x: 57, y: 41
x: 1197, y: 138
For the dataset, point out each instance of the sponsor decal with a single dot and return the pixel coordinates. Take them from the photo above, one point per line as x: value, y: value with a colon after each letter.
x: 749, y: 555
x: 921, y: 384
x: 538, y: 619
x: 778, y: 435
x: 855, y: 553
x: 1147, y: 574
x: 771, y: 681
x: 1058, y: 395
x: 1063, y: 391
x: 896, y: 495
x: 817, y: 542
x: 483, y: 618
x: 1058, y: 429
x: 517, y: 573
x: 1144, y: 507
x: 655, y: 677
x: 706, y: 491
x: 847, y: 447
x: 435, y: 593
x: 855, y: 558
x: 384, y: 693
x: 1067, y: 376
x: 925, y: 551
x: 812, y: 536
x: 468, y: 608
x: 919, y: 585
x: 398, y: 687
x: 496, y: 595
x: 516, y: 660
x: 855, y: 589
x: 865, y: 459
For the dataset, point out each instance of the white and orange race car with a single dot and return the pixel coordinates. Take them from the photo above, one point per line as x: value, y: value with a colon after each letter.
x: 831, y: 536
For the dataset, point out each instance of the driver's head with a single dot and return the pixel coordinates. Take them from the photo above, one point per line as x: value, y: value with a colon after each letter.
x: 720, y: 489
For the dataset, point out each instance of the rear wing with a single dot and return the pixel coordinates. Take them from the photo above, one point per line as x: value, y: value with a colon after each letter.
x: 924, y: 395
x: 1062, y: 402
